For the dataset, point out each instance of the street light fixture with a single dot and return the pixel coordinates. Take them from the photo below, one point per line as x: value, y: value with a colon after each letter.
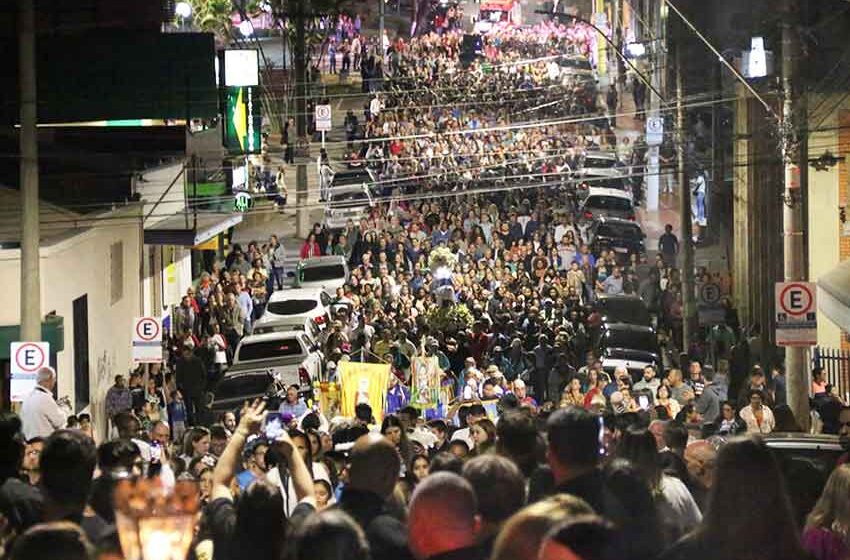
x: 183, y: 9
x: 246, y: 28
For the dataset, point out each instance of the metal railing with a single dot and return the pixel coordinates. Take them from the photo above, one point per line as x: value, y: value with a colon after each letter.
x: 836, y: 366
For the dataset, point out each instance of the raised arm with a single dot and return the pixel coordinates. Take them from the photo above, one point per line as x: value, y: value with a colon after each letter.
x: 225, y: 470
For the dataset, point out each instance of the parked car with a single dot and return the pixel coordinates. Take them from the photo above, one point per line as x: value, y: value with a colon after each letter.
x: 627, y: 309
x: 326, y: 273
x: 624, y: 237
x: 268, y: 363
x: 807, y: 461
x: 601, y: 164
x: 294, y: 310
x: 345, y: 203
x: 602, y: 201
x: 630, y: 346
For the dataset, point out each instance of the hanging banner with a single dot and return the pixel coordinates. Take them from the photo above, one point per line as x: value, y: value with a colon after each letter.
x: 425, y: 382
x: 362, y: 382
x: 242, y: 121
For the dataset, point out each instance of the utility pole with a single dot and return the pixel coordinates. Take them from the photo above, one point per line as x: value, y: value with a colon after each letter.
x: 688, y: 304
x: 302, y: 213
x: 30, y: 266
x: 795, y: 364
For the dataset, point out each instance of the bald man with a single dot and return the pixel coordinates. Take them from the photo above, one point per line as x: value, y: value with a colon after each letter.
x: 372, y: 475
x: 701, y: 459
x: 443, y: 523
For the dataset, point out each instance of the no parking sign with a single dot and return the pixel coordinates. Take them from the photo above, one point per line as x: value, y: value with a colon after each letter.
x: 27, y: 359
x: 147, y: 340
x: 796, y: 314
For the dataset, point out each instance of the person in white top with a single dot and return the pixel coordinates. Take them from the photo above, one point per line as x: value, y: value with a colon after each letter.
x: 40, y: 414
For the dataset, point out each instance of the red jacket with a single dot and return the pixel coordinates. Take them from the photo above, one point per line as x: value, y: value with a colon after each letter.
x: 310, y: 250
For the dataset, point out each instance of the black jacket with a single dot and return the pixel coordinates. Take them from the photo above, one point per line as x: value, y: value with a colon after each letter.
x: 386, y: 533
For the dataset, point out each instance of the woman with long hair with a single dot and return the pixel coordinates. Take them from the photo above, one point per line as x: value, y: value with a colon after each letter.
x: 827, y: 533
x: 196, y: 443
x: 392, y: 428
x: 749, y: 513
x: 483, y: 435
x: 662, y: 398
x: 677, y: 510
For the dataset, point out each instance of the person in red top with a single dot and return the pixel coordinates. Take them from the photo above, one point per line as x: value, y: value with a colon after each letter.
x: 311, y: 247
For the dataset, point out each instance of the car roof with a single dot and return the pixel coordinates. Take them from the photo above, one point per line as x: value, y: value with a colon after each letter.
x: 327, y: 260
x: 296, y: 293
x: 618, y: 297
x: 352, y: 176
x: 601, y: 155
x: 266, y: 337
x: 628, y: 327
x: 605, y: 191
x: 788, y: 440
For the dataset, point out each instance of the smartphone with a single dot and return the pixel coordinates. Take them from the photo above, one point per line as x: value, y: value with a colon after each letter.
x: 273, y: 425
x: 643, y: 402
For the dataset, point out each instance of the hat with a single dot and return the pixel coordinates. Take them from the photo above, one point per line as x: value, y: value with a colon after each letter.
x: 423, y: 437
x: 463, y: 437
x: 492, y: 369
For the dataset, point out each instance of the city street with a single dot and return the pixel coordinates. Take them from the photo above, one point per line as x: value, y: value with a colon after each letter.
x: 425, y: 280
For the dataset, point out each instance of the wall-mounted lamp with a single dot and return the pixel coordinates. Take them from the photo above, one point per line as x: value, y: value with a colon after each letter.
x: 825, y: 162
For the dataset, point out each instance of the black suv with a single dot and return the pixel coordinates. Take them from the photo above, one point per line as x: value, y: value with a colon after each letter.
x: 624, y: 237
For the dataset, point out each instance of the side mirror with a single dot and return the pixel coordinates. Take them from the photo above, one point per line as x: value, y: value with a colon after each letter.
x: 325, y: 298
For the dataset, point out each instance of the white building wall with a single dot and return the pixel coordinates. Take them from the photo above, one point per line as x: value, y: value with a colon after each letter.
x: 824, y: 251
x: 81, y: 266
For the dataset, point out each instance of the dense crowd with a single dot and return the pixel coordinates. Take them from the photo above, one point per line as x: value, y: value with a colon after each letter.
x: 573, y: 461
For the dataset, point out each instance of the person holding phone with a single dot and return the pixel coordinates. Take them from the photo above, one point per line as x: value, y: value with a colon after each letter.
x: 255, y: 527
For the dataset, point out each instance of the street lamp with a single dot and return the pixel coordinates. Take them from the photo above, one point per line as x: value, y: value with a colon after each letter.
x: 246, y: 28
x: 183, y: 9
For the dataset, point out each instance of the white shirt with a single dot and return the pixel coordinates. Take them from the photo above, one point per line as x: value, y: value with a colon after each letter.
x: 40, y: 415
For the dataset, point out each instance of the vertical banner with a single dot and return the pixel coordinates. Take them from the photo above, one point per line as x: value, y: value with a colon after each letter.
x: 425, y: 382
x: 242, y: 120
x: 363, y: 382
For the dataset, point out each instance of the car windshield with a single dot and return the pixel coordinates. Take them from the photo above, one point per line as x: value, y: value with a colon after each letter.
x: 322, y: 273
x: 292, y: 306
x: 611, y: 203
x: 632, y: 340
x: 619, y: 230
x: 627, y: 311
x: 242, y: 386
x: 269, y: 349
x: 597, y: 161
x: 351, y: 196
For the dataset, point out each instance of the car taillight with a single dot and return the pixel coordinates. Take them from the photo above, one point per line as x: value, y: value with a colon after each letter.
x: 304, y: 377
x: 632, y: 217
x: 588, y: 215
x: 319, y: 320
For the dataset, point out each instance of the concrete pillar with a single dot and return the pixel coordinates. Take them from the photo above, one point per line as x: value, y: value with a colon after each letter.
x: 30, y: 266
x: 653, y: 168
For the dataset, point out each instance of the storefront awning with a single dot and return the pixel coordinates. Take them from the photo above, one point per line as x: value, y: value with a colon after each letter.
x: 52, y: 331
x: 187, y: 230
x: 834, y: 295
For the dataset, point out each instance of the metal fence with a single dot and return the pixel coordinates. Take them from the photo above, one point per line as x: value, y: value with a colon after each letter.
x: 836, y: 365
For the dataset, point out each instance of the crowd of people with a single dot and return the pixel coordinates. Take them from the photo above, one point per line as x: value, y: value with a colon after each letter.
x: 538, y: 451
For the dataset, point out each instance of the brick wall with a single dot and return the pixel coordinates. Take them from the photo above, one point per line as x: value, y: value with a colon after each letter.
x: 843, y: 176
